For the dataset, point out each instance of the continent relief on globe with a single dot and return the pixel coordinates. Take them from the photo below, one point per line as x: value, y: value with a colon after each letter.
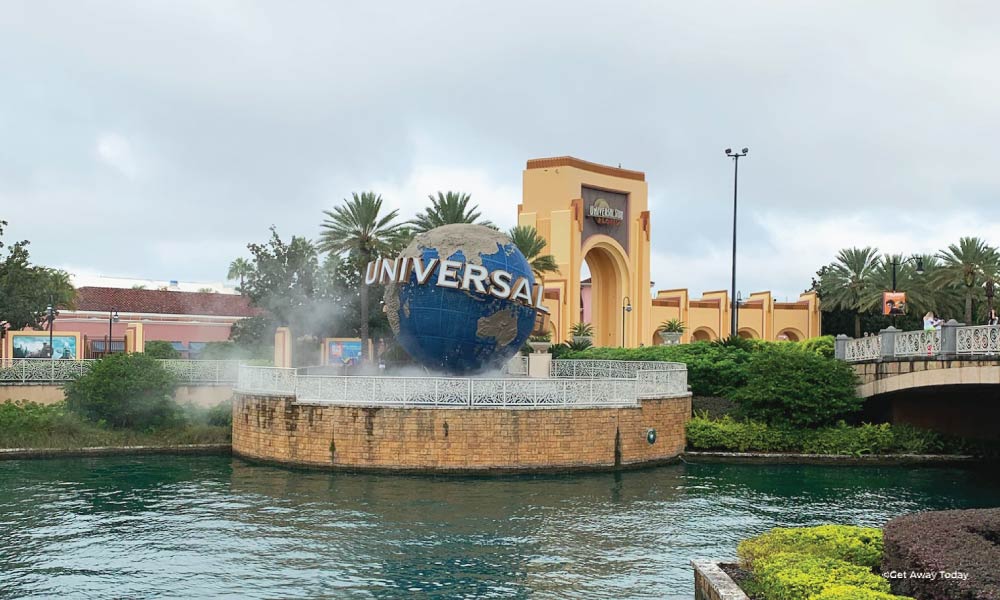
x: 446, y: 328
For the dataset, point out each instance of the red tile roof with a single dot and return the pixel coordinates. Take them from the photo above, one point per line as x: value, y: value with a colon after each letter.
x: 163, y: 302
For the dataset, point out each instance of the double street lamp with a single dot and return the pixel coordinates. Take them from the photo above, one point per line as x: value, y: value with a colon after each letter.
x: 736, y: 156
x: 626, y: 308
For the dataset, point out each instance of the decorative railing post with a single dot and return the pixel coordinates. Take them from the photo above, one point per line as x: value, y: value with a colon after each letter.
x: 949, y: 339
x: 887, y: 338
x: 840, y: 347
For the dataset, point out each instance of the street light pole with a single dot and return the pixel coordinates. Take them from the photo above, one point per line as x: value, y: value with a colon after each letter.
x: 736, y: 156
x: 51, y: 317
x: 920, y: 271
x: 626, y: 308
x: 112, y: 319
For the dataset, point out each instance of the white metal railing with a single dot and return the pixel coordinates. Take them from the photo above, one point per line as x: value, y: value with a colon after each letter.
x: 567, y: 391
x: 866, y: 348
x: 46, y: 370
x: 981, y: 339
x: 918, y: 343
x: 610, y: 368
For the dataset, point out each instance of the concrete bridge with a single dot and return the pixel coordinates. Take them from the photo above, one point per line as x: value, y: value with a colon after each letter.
x: 946, y: 379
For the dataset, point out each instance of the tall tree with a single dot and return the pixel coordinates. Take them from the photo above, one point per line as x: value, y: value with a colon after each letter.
x: 448, y: 208
x: 360, y: 232
x: 967, y: 266
x: 26, y: 289
x: 847, y: 283
x: 531, y: 245
x: 239, y: 269
x: 283, y: 281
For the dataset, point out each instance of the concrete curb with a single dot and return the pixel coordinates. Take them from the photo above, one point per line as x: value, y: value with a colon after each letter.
x: 712, y: 583
x: 828, y: 459
x: 22, y: 453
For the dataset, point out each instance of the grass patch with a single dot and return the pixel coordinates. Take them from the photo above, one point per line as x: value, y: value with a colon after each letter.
x: 26, y: 424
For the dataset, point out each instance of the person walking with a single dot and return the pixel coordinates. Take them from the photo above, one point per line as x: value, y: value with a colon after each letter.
x: 931, y: 322
x: 991, y: 319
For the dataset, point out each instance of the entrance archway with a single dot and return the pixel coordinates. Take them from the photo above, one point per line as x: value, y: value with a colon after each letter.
x: 608, y: 289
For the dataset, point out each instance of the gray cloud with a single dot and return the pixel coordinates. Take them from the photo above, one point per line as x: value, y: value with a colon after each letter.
x: 157, y: 139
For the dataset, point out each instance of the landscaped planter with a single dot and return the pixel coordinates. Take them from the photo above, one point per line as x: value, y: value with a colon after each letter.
x: 670, y: 338
x: 583, y: 339
x: 540, y: 347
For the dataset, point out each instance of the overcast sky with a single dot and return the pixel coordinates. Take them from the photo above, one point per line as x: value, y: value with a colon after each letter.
x: 155, y: 139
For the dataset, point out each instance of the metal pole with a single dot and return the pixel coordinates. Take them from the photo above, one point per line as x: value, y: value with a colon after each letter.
x: 735, y: 311
x: 107, y: 348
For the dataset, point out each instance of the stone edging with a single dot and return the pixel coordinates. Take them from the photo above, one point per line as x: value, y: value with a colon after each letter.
x: 712, y: 583
x: 19, y: 453
x: 826, y: 459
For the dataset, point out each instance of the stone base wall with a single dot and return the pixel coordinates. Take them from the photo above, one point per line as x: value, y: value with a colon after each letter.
x: 446, y: 439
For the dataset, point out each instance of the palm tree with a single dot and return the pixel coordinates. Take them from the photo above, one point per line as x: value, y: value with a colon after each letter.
x: 847, y: 284
x: 967, y: 265
x: 360, y: 230
x: 447, y: 209
x: 531, y: 245
x: 239, y: 268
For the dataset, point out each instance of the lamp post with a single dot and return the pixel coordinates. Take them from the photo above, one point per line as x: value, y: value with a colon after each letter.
x: 50, y: 312
x: 112, y: 319
x: 626, y: 308
x: 736, y: 156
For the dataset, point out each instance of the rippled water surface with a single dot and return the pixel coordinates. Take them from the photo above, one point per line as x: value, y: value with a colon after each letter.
x: 188, y: 527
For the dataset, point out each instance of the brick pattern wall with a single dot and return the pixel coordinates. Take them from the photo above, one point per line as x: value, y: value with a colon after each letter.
x: 441, y: 439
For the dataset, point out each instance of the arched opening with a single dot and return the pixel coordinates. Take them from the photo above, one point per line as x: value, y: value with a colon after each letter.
x: 748, y: 334
x: 790, y: 335
x: 702, y: 334
x: 602, y: 298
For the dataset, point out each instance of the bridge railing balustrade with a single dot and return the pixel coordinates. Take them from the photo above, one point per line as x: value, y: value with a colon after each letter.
x: 953, y: 340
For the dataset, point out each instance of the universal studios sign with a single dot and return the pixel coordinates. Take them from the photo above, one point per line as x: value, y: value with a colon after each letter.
x: 456, y: 275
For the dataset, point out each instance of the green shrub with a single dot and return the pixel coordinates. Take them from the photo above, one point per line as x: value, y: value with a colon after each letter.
x: 850, y: 592
x: 730, y: 435
x: 161, y: 349
x: 790, y: 576
x: 126, y: 390
x: 823, y: 345
x: 23, y: 417
x: 860, y: 546
x: 800, y: 389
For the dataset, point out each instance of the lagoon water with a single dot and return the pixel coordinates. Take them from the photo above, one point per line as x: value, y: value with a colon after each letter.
x: 194, y: 527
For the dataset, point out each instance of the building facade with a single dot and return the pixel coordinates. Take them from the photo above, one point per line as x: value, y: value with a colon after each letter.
x: 598, y: 216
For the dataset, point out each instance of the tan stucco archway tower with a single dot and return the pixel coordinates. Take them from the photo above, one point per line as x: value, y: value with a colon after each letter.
x: 598, y: 214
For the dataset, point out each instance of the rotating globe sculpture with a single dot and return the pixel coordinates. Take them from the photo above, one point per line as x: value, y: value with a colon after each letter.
x: 454, y: 330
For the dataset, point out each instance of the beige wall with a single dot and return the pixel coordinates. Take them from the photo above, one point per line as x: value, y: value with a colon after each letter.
x: 443, y: 439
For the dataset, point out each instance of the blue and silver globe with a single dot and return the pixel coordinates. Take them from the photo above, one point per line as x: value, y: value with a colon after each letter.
x: 456, y: 331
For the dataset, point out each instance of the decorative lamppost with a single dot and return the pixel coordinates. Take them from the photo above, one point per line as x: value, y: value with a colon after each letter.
x: 112, y: 319
x: 50, y: 317
x: 736, y: 156
x: 626, y: 308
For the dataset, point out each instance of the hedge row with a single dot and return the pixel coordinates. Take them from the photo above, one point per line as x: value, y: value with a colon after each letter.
x: 828, y: 562
x: 944, y: 543
x: 729, y: 435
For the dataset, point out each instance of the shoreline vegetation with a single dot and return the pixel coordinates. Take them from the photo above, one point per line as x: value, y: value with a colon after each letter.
x: 32, y: 426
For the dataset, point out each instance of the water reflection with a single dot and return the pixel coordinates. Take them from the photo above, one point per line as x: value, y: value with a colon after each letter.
x: 215, y: 526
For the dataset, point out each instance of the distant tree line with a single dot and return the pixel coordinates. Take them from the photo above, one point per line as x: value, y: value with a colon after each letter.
x: 953, y: 284
x: 314, y: 287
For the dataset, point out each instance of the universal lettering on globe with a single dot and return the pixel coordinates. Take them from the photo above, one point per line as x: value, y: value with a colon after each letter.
x: 460, y: 298
x: 455, y: 275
